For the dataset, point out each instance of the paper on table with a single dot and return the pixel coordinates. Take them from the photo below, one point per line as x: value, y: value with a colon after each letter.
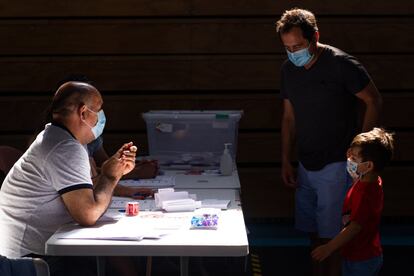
x: 160, y: 181
x: 215, y: 203
x: 111, y: 231
x: 149, y: 225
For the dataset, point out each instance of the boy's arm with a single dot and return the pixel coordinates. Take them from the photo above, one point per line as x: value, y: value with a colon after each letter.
x: 348, y: 233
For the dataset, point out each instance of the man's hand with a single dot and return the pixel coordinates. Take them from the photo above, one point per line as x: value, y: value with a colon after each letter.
x: 288, y: 175
x: 321, y: 252
x: 121, y: 163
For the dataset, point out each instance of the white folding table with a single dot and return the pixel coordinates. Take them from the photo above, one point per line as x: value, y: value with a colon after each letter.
x: 229, y: 239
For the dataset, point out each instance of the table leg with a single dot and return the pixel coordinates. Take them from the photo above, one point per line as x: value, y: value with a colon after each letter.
x: 100, y: 265
x: 149, y: 266
x: 184, y: 266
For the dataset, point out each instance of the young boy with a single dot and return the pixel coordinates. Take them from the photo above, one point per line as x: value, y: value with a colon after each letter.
x: 360, y: 239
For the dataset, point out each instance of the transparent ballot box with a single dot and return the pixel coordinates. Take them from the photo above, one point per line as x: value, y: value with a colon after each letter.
x: 191, y: 138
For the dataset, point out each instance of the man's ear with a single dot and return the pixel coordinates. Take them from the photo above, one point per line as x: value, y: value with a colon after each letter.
x: 82, y: 111
x: 315, y: 37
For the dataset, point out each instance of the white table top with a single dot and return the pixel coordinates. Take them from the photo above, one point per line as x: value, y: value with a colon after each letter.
x: 229, y: 239
x: 183, y: 181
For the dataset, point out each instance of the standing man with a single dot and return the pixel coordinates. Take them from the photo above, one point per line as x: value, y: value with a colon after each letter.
x: 320, y: 88
x: 51, y: 183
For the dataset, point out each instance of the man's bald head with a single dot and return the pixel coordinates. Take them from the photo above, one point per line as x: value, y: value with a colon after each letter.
x: 70, y: 96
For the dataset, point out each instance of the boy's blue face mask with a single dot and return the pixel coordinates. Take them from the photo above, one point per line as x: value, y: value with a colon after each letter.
x: 300, y: 57
x: 97, y: 130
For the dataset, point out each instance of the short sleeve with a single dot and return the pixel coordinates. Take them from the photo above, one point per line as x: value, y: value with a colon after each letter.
x: 354, y: 75
x: 68, y: 168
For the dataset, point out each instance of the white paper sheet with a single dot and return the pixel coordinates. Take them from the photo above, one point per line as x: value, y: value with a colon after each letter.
x: 215, y: 203
x: 160, y: 181
x: 147, y: 225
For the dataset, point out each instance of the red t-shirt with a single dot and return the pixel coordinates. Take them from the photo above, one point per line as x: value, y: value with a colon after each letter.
x: 363, y: 204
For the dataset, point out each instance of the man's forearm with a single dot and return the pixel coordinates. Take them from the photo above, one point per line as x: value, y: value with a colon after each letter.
x: 373, y: 103
x: 86, y: 206
x: 287, y: 138
x: 103, y: 191
x: 371, y: 117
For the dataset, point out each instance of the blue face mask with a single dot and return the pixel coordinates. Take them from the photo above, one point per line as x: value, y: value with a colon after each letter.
x: 300, y: 57
x: 97, y: 130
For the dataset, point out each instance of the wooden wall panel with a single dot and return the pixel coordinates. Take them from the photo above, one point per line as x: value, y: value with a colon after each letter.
x: 79, y: 8
x: 124, y: 113
x: 192, y: 36
x: 262, y: 112
x: 233, y: 72
x: 321, y: 7
x: 19, y: 141
x: 397, y: 110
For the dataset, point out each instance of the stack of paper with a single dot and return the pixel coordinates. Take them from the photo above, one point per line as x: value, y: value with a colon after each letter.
x: 172, y: 201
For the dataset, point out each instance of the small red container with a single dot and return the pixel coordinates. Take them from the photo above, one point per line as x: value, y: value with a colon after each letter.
x: 132, y: 208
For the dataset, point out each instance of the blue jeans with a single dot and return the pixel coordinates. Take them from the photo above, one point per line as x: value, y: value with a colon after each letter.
x: 370, y: 267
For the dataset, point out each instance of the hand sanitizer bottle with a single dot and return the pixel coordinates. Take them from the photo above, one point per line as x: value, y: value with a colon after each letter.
x: 226, y: 161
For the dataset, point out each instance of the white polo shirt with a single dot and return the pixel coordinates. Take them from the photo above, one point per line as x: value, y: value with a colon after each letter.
x: 31, y: 207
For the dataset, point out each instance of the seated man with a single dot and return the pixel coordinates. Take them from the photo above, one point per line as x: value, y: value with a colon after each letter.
x: 51, y: 183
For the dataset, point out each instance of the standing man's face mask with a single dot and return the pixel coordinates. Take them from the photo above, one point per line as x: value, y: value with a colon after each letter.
x: 300, y: 57
x: 97, y: 130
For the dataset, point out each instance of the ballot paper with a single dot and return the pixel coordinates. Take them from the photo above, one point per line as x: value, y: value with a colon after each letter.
x: 107, y: 232
x: 215, y: 203
x: 121, y: 230
x: 160, y: 181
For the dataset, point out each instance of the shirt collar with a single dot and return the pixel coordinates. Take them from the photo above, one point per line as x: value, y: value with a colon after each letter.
x: 60, y: 125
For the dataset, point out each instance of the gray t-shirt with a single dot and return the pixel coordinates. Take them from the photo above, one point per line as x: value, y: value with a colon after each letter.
x: 31, y: 207
x: 325, y: 105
